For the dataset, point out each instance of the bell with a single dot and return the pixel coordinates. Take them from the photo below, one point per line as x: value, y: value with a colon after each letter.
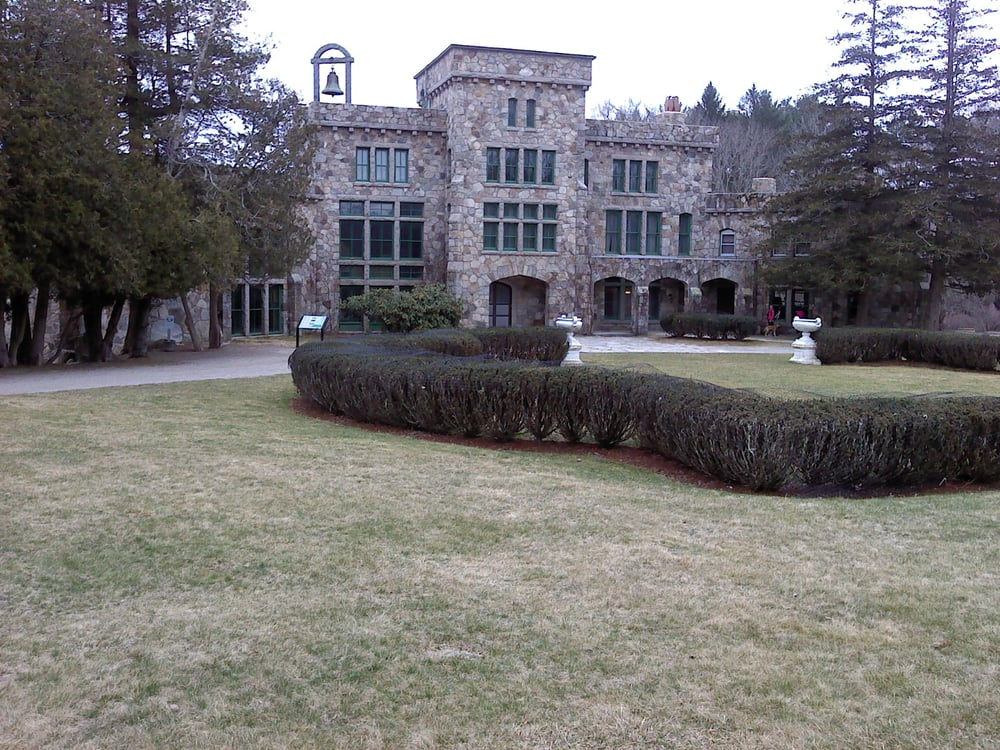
x: 332, y: 87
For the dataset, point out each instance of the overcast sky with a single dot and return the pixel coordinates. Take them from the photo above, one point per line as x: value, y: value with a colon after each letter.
x: 645, y: 51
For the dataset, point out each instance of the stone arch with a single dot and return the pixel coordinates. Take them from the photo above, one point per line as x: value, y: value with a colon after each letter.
x: 719, y: 296
x: 614, y: 298
x: 518, y: 301
x: 666, y: 295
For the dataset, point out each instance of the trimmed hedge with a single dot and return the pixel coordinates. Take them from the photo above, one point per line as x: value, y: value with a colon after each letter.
x: 709, y: 326
x: 961, y: 351
x: 737, y: 436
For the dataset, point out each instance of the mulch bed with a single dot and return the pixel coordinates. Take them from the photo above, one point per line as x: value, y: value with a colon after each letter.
x: 638, y: 457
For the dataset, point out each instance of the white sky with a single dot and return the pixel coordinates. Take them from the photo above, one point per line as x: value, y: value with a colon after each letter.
x: 645, y: 51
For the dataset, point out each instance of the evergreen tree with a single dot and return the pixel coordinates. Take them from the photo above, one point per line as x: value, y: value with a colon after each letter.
x: 709, y: 110
x: 850, y: 216
x: 959, y: 154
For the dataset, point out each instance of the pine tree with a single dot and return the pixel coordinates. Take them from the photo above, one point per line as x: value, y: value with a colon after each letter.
x: 850, y: 204
x: 959, y: 154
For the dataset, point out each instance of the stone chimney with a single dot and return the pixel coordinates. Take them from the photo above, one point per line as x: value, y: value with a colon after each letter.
x: 672, y: 111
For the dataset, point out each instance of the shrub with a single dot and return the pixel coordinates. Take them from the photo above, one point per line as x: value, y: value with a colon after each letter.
x: 957, y: 350
x: 425, y: 307
x: 709, y: 326
x: 737, y: 436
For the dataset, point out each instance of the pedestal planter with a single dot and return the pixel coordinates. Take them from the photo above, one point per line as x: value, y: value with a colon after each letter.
x: 571, y: 324
x: 804, y: 347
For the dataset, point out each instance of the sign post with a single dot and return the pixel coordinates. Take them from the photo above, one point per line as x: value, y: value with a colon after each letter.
x: 311, y: 323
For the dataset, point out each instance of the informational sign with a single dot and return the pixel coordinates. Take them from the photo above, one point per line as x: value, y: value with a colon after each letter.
x: 311, y: 323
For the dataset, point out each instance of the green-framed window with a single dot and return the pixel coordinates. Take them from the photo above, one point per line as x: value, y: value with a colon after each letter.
x: 618, y: 176
x: 381, y: 165
x: 548, y: 167
x: 633, y: 232
x: 654, y: 224
x: 510, y: 162
x: 684, y: 226
x: 727, y: 243
x: 634, y: 176
x: 613, y: 232
x: 352, y: 238
x: 493, y: 164
x: 512, y: 113
x: 529, y: 113
x: 362, y: 165
x: 530, y: 171
x: 401, y: 157
x: 411, y: 240
x: 382, y: 240
x: 652, y: 176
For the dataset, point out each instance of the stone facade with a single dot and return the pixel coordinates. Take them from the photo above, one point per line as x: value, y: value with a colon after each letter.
x: 528, y: 209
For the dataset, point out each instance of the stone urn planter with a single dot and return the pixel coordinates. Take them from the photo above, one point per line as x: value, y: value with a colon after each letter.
x: 804, y: 347
x: 571, y: 324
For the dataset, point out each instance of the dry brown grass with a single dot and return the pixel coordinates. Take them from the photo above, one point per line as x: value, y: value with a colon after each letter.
x: 197, y: 566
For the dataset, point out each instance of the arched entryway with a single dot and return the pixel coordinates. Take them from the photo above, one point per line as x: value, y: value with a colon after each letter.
x: 613, y: 299
x: 666, y: 296
x: 518, y: 301
x: 719, y: 296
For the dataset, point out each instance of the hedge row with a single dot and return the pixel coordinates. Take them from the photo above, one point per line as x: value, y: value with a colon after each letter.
x: 737, y: 436
x: 709, y: 326
x: 957, y: 350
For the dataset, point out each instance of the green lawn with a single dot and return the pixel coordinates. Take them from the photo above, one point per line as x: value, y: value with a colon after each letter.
x: 197, y: 566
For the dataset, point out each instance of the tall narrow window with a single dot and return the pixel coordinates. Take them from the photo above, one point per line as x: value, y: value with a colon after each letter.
x: 549, y: 228
x: 493, y: 165
x: 634, y: 176
x: 548, y: 167
x: 381, y: 165
x: 529, y: 113
x: 510, y: 165
x: 381, y: 242
x: 653, y: 223
x: 633, y: 232
x: 362, y: 165
x: 512, y: 113
x: 402, y: 163
x: 491, y: 227
x: 352, y: 238
x: 684, y: 235
x: 652, y: 176
x: 613, y: 233
x: 530, y: 165
x: 618, y: 176
x: 727, y: 242
x: 529, y: 230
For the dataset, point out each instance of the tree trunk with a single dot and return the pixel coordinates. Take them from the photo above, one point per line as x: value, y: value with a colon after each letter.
x: 864, y: 308
x: 93, y: 333
x: 108, y: 342
x: 137, y: 337
x: 214, y: 318
x: 934, y: 299
x: 189, y: 322
x: 20, y: 329
x: 4, y: 354
x: 39, y: 324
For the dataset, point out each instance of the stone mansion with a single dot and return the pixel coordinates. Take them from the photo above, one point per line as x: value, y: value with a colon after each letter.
x: 498, y: 186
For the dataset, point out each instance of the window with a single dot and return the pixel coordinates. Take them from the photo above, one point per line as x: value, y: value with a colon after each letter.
x: 275, y: 308
x: 402, y: 164
x: 505, y: 224
x: 684, y: 235
x: 654, y: 220
x: 381, y: 165
x: 634, y: 176
x: 362, y: 165
x: 613, y: 233
x: 586, y: 172
x: 548, y: 167
x: 352, y: 238
x: 618, y: 176
x: 529, y: 113
x: 510, y: 156
x: 801, y: 249
x: 727, y: 242
x: 493, y: 165
x: 652, y: 176
x: 375, y: 247
x: 530, y: 166
x: 411, y: 240
x: 512, y: 113
x: 381, y: 240
x: 633, y: 232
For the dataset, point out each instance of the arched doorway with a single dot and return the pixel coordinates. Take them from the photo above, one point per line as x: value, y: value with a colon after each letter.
x: 518, y: 301
x: 666, y: 296
x: 613, y: 302
x: 719, y: 296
